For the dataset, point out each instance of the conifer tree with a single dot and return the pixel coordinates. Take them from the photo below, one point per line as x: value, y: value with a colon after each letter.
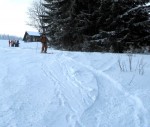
x: 97, y: 25
x: 58, y: 20
x: 118, y: 23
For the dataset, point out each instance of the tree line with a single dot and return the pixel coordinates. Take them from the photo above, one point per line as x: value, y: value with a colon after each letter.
x: 9, y: 37
x: 94, y: 25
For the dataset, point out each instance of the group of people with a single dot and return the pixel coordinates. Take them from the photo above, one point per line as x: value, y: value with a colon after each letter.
x: 43, y: 39
x: 13, y: 43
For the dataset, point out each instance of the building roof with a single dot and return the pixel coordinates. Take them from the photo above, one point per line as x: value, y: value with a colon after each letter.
x: 33, y: 33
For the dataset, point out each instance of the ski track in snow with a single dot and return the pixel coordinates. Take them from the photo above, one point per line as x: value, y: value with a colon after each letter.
x: 84, y: 107
x: 63, y: 98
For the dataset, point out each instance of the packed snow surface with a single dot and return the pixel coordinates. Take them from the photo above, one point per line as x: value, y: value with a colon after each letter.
x: 72, y: 89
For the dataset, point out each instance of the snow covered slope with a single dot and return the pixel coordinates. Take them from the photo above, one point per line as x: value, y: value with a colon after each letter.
x: 72, y: 89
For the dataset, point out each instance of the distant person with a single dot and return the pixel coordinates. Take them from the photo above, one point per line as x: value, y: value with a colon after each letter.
x: 17, y: 43
x: 12, y: 43
x: 9, y: 43
x: 43, y: 40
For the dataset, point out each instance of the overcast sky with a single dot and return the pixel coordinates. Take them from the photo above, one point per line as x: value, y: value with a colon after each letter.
x: 13, y: 17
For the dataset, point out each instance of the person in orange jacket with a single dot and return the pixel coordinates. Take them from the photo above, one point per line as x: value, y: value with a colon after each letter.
x: 43, y: 40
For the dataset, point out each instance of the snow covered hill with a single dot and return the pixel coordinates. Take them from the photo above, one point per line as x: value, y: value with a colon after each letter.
x: 72, y: 89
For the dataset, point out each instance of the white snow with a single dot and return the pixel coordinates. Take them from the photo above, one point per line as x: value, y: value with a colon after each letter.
x: 72, y: 89
x: 148, y: 4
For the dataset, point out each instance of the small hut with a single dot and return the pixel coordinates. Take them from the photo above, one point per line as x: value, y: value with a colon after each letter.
x: 31, y: 36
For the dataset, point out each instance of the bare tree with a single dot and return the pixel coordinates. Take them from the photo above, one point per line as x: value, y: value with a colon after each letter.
x: 34, y: 14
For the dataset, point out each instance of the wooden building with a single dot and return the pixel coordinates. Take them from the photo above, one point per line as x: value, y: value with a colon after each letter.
x: 31, y: 36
